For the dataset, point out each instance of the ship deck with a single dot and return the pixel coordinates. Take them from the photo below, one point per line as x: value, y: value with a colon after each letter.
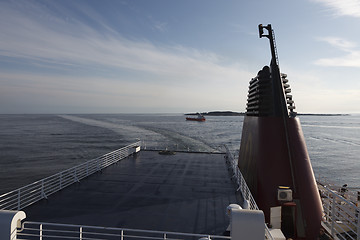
x: 185, y: 192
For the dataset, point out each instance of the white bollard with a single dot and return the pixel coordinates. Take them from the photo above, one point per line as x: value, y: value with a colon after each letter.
x: 9, y: 221
x: 247, y: 224
x: 228, y: 212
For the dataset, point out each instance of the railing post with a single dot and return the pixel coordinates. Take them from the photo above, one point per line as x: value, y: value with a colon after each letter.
x: 40, y: 232
x: 75, y: 176
x: 358, y: 224
x: 122, y: 235
x: 43, y: 195
x: 116, y: 157
x: 327, y: 207
x: 81, y: 233
x: 333, y: 219
x: 60, y: 180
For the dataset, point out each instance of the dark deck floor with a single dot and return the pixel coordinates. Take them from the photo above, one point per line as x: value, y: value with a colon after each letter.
x: 186, y: 192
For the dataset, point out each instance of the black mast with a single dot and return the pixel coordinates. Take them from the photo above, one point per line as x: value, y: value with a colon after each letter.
x: 279, y: 96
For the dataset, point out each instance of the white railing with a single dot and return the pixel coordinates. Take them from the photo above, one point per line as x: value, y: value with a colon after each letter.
x: 38, y: 230
x: 29, y: 194
x: 351, y: 193
x: 242, y: 186
x: 341, y: 217
x: 240, y: 181
x: 171, y: 146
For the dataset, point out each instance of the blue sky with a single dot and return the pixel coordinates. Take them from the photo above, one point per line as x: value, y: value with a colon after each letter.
x: 154, y: 56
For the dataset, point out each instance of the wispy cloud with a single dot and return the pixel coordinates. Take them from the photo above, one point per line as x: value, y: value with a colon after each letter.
x: 75, y: 43
x: 340, y: 43
x: 41, y: 37
x: 342, y: 7
x: 350, y: 59
x: 161, y: 26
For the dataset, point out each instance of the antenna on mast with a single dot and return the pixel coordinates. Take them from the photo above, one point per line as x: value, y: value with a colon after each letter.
x: 271, y: 37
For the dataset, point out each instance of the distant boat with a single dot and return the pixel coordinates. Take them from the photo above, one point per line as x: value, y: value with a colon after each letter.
x: 199, y: 118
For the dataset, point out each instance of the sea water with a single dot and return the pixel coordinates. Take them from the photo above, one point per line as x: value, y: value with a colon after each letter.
x: 36, y: 146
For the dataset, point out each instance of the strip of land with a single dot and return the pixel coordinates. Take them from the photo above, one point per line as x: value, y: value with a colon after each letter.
x: 231, y: 113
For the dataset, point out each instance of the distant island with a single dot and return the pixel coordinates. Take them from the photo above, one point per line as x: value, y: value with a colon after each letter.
x: 219, y: 113
x: 322, y: 114
x: 230, y: 113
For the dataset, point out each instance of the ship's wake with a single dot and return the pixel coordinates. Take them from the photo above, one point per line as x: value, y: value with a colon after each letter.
x: 153, y: 137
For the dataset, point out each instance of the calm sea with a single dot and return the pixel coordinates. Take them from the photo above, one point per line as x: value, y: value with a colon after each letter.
x: 36, y: 146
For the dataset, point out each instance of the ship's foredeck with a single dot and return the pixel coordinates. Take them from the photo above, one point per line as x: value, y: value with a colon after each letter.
x: 185, y: 192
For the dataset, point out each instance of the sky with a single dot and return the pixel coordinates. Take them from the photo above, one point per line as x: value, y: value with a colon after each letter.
x: 167, y: 56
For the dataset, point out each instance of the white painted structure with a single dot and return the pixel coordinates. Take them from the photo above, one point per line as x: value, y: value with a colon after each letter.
x: 247, y: 224
x: 9, y: 221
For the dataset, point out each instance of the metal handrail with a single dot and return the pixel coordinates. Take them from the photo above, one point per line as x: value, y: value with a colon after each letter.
x: 29, y: 194
x: 243, y: 187
x: 341, y: 217
x: 351, y: 193
x: 240, y: 180
x: 40, y: 230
